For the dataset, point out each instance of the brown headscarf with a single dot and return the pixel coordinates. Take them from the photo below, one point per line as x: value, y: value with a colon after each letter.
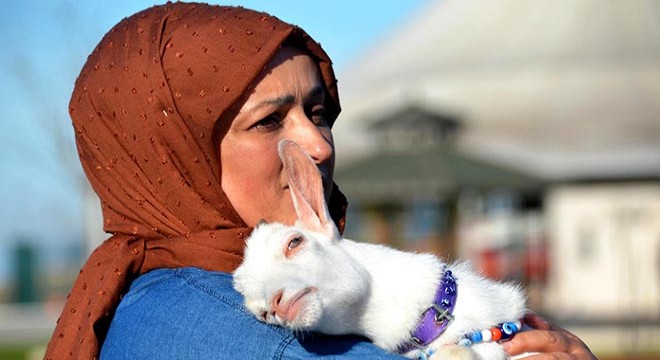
x: 144, y: 109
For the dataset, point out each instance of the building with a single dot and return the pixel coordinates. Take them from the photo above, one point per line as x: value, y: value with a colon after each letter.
x: 566, y: 92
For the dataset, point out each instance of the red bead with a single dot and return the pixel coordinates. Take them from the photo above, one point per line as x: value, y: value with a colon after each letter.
x: 497, y: 334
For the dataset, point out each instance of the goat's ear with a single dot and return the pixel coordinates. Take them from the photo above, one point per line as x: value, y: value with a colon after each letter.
x: 306, y: 188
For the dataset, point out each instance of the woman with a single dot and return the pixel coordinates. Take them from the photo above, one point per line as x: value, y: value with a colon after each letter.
x: 177, y: 114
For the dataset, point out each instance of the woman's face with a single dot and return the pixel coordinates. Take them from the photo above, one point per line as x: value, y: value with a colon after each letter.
x: 286, y: 102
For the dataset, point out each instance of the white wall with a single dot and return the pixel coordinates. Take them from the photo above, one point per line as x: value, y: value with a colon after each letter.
x: 604, y: 251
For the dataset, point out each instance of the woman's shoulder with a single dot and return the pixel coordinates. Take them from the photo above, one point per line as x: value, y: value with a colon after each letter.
x: 186, y: 313
x: 187, y: 285
x: 190, y: 313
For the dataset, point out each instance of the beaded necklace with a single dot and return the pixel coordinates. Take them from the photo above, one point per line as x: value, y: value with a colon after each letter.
x: 499, y: 332
x: 502, y: 331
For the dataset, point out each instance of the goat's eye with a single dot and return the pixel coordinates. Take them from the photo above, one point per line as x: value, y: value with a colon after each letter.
x: 293, y: 243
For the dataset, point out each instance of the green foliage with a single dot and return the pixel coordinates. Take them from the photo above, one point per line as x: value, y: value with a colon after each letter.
x: 21, y: 352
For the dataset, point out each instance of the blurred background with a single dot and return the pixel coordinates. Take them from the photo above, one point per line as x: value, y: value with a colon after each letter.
x: 523, y: 135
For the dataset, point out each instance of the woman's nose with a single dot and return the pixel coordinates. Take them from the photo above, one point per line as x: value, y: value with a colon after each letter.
x: 315, y: 140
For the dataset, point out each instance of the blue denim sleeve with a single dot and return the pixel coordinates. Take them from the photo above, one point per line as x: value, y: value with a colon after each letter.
x: 189, y: 313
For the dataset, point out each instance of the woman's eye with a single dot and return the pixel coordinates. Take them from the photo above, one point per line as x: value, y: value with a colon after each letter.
x: 318, y: 116
x: 293, y: 243
x: 270, y: 122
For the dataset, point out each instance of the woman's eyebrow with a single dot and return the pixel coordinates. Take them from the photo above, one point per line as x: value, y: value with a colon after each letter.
x: 279, y: 101
x: 315, y: 92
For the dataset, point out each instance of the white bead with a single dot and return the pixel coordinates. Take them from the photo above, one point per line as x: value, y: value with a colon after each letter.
x: 486, y: 335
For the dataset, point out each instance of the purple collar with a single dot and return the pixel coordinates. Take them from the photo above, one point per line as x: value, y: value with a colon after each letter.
x: 437, y: 317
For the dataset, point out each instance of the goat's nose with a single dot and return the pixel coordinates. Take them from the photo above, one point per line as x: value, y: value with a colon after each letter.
x: 276, y: 300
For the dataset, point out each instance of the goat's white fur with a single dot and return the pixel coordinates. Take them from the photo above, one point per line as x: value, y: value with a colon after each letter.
x: 348, y: 287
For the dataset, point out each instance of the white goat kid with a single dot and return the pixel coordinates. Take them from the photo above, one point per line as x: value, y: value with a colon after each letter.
x: 306, y: 277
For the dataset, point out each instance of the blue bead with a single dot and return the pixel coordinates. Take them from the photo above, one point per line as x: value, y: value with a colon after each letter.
x: 504, y: 334
x: 465, y: 342
x: 509, y: 328
x: 445, y: 303
x: 450, y: 290
x: 476, y: 337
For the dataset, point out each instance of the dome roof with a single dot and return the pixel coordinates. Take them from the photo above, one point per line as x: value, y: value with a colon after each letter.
x: 563, y: 88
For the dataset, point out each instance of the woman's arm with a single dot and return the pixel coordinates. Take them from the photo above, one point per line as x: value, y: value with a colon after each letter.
x: 194, y: 314
x: 548, y: 340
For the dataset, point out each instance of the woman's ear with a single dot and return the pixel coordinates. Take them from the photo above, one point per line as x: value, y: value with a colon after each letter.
x: 306, y: 188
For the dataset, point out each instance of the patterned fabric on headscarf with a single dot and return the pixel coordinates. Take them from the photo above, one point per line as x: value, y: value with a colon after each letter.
x: 144, y: 109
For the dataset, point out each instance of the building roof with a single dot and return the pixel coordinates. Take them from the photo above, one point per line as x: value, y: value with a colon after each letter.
x: 563, y: 89
x: 431, y: 172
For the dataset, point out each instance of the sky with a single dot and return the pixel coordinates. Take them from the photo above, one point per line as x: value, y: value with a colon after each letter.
x: 46, y: 42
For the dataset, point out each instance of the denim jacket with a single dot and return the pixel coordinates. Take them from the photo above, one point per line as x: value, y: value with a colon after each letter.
x: 189, y: 313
